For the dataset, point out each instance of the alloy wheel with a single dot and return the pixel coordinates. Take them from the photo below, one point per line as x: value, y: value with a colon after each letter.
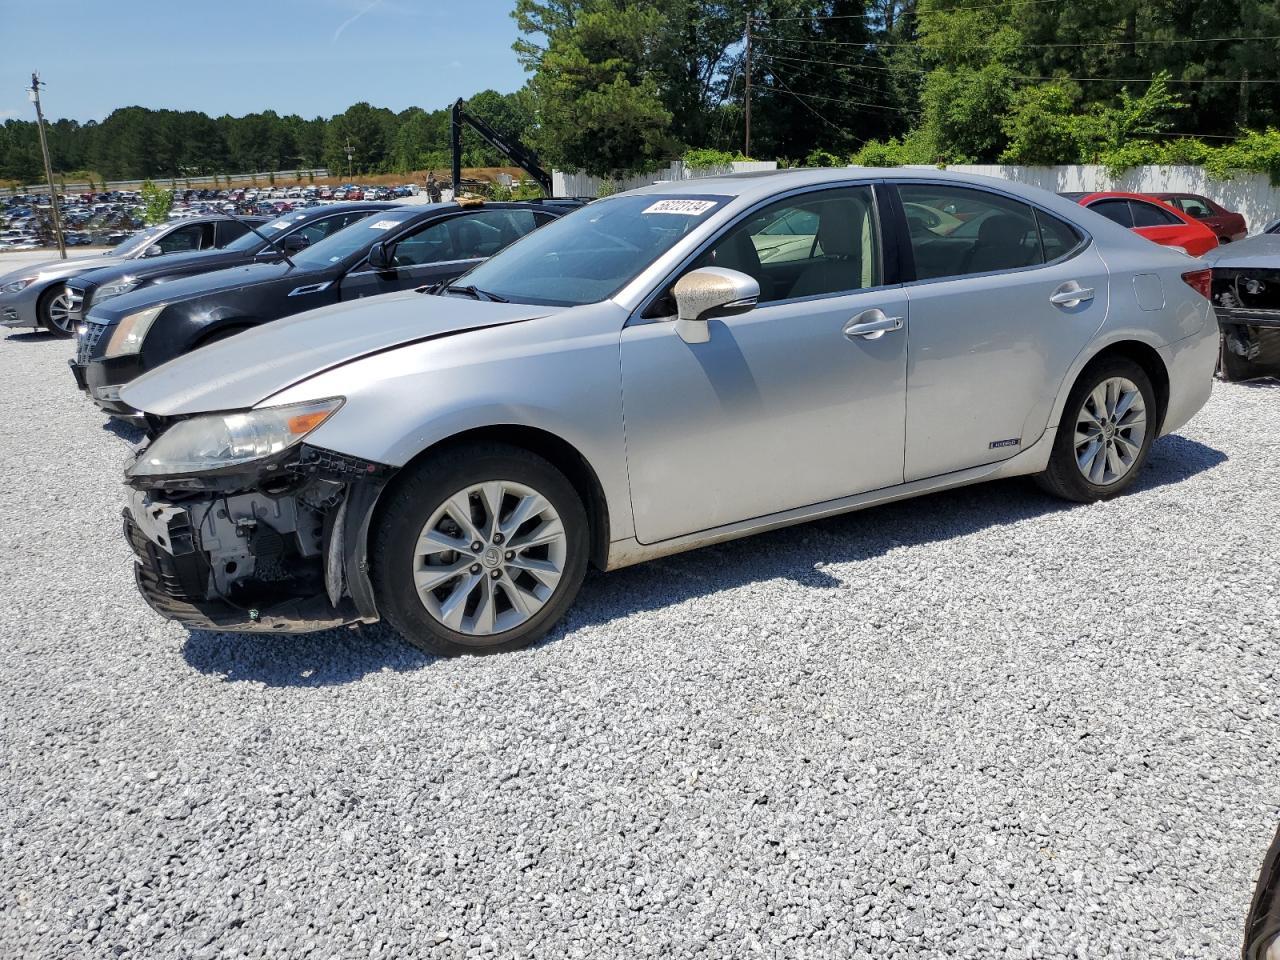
x: 1109, y: 431
x: 489, y: 558
x: 59, y: 312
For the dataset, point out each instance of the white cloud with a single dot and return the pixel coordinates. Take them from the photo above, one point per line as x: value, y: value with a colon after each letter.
x: 353, y: 18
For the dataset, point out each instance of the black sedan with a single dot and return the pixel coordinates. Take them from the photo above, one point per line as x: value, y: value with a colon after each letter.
x: 397, y: 249
x: 291, y: 232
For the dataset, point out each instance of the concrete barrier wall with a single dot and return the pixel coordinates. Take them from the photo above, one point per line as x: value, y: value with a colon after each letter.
x: 1248, y: 193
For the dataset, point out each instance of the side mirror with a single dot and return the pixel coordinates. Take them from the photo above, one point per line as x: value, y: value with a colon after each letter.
x: 295, y: 242
x: 380, y: 257
x: 153, y: 251
x: 711, y: 292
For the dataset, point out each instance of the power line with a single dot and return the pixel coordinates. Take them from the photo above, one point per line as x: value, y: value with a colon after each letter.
x: 800, y: 100
x: 1030, y: 46
x: 1014, y: 76
x: 877, y: 16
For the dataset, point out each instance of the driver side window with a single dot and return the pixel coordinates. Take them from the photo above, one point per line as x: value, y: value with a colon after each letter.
x: 184, y: 238
x: 809, y: 245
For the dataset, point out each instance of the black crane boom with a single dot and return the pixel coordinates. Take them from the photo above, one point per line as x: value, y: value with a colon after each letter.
x: 521, y: 155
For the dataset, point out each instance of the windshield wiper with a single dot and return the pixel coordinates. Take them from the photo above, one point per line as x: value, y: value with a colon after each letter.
x: 270, y: 240
x: 473, y: 291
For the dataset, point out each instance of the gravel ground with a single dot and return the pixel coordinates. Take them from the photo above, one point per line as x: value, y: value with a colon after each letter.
x: 981, y: 724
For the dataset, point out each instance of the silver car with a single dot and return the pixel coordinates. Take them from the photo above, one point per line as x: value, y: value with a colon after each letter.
x: 34, y: 295
x: 663, y: 369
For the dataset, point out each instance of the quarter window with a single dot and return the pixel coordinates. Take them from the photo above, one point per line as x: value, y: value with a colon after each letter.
x: 956, y: 231
x: 1056, y: 237
x: 810, y: 245
x: 1115, y: 210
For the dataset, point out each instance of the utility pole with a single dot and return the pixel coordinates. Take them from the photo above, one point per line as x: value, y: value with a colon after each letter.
x: 34, y: 94
x: 746, y: 151
x: 348, y: 158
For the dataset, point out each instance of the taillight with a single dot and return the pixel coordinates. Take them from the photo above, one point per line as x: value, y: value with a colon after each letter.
x: 1201, y: 281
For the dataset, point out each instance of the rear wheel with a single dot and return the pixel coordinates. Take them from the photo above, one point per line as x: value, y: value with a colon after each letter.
x: 480, y: 551
x: 54, y: 312
x: 1105, y: 433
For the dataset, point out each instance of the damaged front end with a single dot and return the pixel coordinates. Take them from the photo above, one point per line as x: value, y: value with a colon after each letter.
x: 275, y: 545
x: 1246, y: 300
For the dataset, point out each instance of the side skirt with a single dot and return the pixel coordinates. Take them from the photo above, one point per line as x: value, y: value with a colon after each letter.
x: 1034, y: 459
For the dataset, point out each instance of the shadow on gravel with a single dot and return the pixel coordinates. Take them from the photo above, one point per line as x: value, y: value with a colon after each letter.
x: 794, y: 553
x: 126, y: 431
x: 32, y: 336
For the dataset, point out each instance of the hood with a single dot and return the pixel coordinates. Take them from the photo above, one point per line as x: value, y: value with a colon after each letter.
x: 92, y: 273
x: 189, y: 288
x: 61, y: 269
x: 1262, y: 251
x: 241, y: 372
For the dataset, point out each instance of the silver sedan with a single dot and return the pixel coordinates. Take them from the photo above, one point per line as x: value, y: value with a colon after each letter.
x: 663, y: 369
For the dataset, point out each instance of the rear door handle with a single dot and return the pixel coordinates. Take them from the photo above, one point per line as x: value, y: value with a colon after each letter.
x: 1070, y: 294
x: 871, y: 325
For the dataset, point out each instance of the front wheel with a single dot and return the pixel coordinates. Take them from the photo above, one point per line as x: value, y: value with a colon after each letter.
x: 54, y: 312
x: 479, y: 551
x: 1105, y: 433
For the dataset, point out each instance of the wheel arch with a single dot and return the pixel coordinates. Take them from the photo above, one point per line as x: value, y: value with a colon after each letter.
x: 1145, y: 356
x: 561, y: 454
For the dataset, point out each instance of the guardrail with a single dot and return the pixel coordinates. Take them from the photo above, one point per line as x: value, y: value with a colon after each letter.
x: 263, y: 178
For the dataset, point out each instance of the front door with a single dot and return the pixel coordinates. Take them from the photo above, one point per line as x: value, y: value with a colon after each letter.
x: 782, y: 408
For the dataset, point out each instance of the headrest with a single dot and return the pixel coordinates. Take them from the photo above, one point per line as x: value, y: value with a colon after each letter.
x: 840, y: 228
x: 1003, y: 229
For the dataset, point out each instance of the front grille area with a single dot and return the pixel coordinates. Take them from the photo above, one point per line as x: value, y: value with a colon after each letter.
x: 86, y: 341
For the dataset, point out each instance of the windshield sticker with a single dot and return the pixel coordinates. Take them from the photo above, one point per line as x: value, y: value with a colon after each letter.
x: 278, y: 225
x: 684, y: 208
x: 383, y: 224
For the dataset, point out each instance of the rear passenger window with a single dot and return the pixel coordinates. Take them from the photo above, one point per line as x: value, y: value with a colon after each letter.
x: 1056, y: 238
x: 1149, y: 215
x: 1114, y: 210
x: 956, y: 231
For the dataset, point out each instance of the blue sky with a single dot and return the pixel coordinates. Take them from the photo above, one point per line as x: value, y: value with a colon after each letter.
x: 314, y: 58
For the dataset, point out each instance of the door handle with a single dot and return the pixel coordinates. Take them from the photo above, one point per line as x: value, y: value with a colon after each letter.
x: 871, y: 325
x: 1070, y: 294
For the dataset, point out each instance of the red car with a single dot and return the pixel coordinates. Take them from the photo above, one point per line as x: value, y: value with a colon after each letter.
x: 1227, y: 225
x: 1152, y: 218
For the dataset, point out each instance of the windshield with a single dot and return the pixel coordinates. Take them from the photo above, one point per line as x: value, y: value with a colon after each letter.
x: 248, y: 242
x: 593, y: 252
x: 353, y: 239
x: 136, y: 241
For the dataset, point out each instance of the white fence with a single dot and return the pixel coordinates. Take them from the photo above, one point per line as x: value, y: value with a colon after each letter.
x: 583, y: 185
x: 1248, y: 193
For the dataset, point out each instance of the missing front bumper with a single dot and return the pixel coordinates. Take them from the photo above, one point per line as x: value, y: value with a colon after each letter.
x: 287, y: 561
x: 1247, y: 304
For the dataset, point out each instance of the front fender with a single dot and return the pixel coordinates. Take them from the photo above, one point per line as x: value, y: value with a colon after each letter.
x: 558, y: 374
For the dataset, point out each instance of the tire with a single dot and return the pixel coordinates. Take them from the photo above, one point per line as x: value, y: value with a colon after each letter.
x: 1073, y: 477
x: 51, y: 303
x: 472, y: 589
x: 225, y: 333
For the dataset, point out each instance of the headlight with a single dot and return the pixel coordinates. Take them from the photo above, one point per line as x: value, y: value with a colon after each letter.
x: 17, y: 286
x: 131, y: 331
x: 213, y: 442
x: 115, y: 289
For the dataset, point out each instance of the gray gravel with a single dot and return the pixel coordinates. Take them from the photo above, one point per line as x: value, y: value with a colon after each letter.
x: 981, y: 724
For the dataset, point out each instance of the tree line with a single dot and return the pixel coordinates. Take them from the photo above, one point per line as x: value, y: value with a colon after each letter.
x: 134, y: 143
x: 617, y: 86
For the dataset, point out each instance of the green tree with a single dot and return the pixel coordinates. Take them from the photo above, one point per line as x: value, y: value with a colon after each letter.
x: 157, y: 203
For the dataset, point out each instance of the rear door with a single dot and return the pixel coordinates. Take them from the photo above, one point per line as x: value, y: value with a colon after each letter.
x: 993, y: 325
x: 1156, y: 224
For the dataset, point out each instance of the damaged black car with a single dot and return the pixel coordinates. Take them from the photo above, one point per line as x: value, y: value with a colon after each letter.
x: 1246, y: 299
